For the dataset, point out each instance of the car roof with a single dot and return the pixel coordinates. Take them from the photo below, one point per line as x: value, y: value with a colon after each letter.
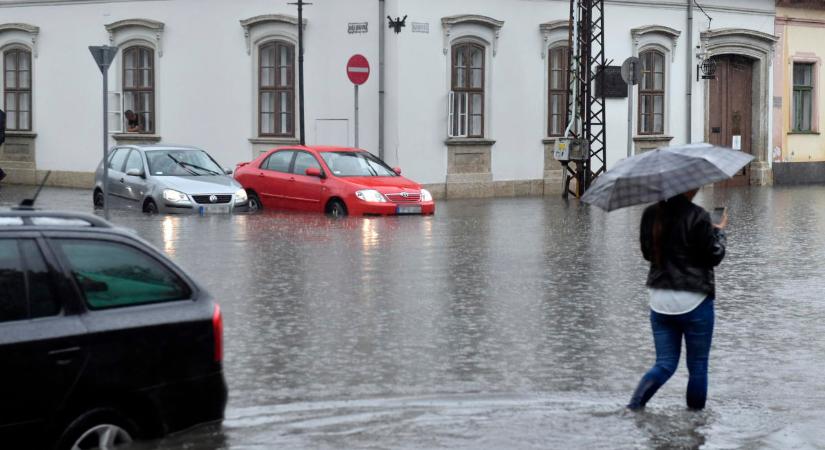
x: 146, y: 147
x: 24, y: 219
x: 321, y: 148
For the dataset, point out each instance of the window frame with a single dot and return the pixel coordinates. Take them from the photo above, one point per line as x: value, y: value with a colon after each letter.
x: 295, y: 160
x: 275, y: 89
x: 564, y: 50
x: 456, y: 91
x: 62, y: 302
x: 647, y: 94
x: 811, y: 90
x: 265, y: 163
x: 148, y: 252
x: 17, y: 91
x: 148, y: 126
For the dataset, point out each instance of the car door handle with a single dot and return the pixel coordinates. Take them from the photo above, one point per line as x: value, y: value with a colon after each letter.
x: 260, y: 174
x: 122, y: 181
x: 291, y: 178
x: 64, y: 354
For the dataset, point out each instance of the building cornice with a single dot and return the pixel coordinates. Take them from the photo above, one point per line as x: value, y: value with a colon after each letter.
x: 739, y: 32
x: 252, y: 22
x: 152, y: 29
x: 471, y: 19
x: 31, y: 30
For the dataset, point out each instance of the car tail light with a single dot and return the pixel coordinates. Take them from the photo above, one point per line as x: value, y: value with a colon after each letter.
x: 217, y: 329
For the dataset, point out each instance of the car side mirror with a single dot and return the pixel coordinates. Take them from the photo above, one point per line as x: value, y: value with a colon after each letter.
x: 89, y: 285
x: 227, y: 171
x: 397, y: 170
x: 135, y: 173
x: 313, y: 172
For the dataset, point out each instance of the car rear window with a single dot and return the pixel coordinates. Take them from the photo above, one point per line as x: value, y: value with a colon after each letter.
x: 113, y: 275
x: 26, y: 287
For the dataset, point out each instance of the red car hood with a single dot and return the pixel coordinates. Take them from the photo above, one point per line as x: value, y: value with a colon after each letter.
x: 384, y: 184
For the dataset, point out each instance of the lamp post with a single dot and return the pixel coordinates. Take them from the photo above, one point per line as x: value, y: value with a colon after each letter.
x: 301, y: 4
x: 103, y: 55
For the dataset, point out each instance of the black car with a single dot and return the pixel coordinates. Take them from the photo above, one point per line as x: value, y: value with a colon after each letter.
x: 103, y: 340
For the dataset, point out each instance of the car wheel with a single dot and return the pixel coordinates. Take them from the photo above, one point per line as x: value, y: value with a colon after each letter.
x: 150, y: 207
x: 100, y: 428
x: 98, y: 198
x: 336, y: 208
x: 255, y: 202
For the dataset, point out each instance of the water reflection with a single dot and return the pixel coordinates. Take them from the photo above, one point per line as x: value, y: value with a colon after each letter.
x: 506, y: 323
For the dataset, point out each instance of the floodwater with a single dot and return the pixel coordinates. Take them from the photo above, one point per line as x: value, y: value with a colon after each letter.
x: 496, y: 324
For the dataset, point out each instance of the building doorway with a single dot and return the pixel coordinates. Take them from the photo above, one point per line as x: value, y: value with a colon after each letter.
x: 731, y: 109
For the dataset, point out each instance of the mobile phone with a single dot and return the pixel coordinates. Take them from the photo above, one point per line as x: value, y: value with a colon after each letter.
x: 717, y: 214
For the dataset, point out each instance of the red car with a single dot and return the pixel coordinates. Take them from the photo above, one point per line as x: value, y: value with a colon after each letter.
x: 334, y: 180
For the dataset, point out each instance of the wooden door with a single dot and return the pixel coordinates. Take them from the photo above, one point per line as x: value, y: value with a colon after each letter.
x: 731, y: 108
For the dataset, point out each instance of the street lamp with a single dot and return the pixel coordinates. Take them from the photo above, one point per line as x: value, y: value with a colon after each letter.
x: 103, y: 55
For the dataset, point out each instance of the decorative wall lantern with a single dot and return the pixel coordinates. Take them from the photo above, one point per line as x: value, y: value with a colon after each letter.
x: 397, y: 24
x: 707, y: 68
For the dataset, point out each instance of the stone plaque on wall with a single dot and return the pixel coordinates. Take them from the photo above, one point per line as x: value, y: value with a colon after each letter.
x: 611, y: 83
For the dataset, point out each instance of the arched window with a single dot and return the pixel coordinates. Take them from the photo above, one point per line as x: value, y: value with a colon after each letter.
x: 276, y: 89
x: 139, y: 89
x: 652, y: 93
x: 467, y: 96
x: 17, y: 86
x: 558, y: 90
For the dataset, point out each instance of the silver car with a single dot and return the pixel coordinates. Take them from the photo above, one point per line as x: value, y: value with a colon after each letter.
x: 163, y: 178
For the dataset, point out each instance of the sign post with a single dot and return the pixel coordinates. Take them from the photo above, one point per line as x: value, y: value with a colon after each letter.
x: 631, y: 74
x: 358, y: 71
x: 103, y: 56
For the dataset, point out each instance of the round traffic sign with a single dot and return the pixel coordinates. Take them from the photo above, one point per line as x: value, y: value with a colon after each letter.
x: 632, y: 70
x: 358, y: 69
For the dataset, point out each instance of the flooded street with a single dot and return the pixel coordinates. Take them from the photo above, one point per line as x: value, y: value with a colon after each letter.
x: 495, y: 324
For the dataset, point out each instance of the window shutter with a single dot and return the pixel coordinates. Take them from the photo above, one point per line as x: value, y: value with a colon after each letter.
x: 115, y: 113
x: 450, y: 114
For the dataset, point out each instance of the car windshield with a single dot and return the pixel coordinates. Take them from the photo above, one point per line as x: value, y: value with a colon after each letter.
x: 181, y: 163
x: 356, y: 164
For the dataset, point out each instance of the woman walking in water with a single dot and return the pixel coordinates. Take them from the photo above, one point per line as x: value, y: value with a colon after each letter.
x: 683, y: 246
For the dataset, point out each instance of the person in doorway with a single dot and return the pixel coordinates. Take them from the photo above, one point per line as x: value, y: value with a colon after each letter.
x: 683, y: 246
x: 134, y: 122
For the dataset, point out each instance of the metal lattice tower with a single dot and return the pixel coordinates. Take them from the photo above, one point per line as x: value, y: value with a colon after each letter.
x: 586, y: 65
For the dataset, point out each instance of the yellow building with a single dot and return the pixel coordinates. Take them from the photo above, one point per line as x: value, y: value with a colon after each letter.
x: 798, y: 125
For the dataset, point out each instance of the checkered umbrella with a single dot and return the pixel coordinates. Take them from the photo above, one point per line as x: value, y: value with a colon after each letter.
x: 663, y: 173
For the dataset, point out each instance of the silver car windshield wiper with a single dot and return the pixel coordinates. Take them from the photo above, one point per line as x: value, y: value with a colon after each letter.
x: 195, y: 166
x: 183, y: 164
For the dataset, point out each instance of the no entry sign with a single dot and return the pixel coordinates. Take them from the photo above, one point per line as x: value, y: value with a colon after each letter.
x: 358, y: 69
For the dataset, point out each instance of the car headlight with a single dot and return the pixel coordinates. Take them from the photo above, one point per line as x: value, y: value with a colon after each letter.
x: 370, y: 195
x: 240, y: 196
x: 171, y: 195
x: 426, y: 196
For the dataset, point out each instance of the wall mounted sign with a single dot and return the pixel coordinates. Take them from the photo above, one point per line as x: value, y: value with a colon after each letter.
x: 421, y: 27
x: 707, y: 68
x: 358, y: 27
x: 610, y: 83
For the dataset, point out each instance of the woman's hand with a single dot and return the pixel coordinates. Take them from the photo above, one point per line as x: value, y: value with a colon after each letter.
x: 724, y: 222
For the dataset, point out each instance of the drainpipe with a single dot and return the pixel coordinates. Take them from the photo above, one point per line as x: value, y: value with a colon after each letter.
x: 381, y: 9
x: 689, y: 79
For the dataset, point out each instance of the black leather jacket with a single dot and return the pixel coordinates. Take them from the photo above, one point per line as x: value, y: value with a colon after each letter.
x: 691, y: 248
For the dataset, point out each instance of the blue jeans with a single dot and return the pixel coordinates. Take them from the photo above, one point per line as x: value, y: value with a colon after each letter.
x: 697, y: 328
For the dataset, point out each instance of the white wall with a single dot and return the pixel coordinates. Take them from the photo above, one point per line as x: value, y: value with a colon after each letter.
x: 205, y: 94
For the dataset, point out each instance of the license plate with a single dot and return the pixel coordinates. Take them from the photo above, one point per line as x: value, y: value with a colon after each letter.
x: 215, y: 209
x: 408, y: 210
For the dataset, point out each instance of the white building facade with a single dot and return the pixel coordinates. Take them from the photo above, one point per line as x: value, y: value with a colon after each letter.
x: 467, y: 98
